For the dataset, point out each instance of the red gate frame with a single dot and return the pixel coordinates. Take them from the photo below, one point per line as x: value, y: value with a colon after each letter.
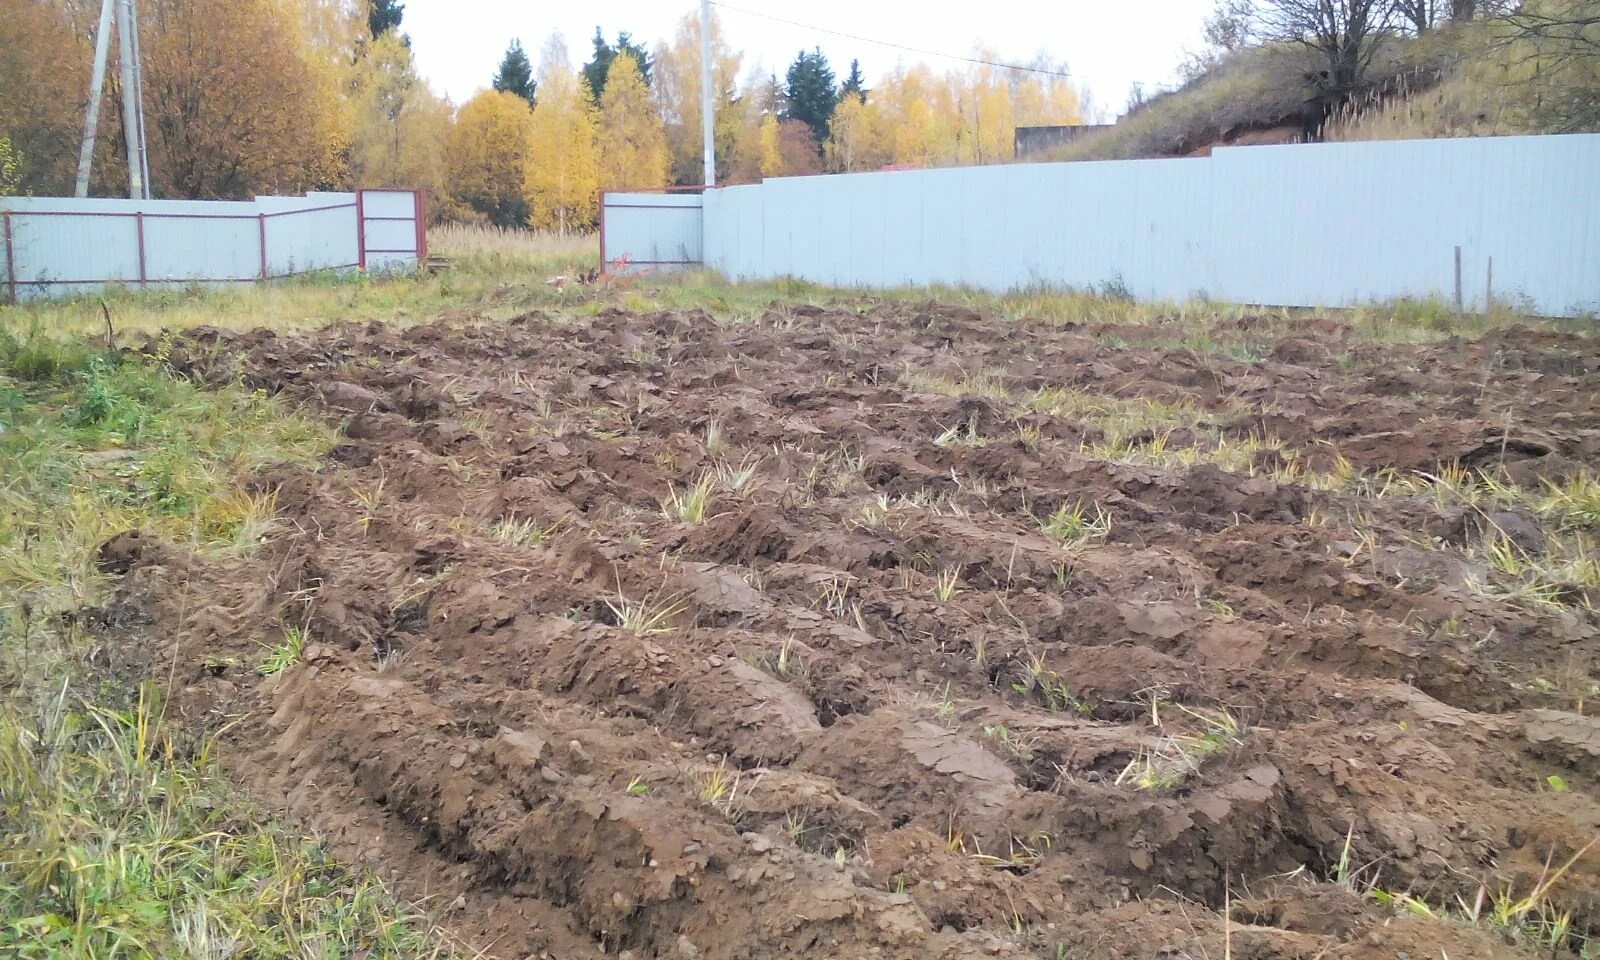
x: 418, y: 216
x: 605, y: 264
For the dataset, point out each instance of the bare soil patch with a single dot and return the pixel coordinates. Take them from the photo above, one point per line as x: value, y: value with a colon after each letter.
x: 875, y: 702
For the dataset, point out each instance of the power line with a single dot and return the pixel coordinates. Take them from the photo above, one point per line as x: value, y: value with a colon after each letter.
x: 890, y: 43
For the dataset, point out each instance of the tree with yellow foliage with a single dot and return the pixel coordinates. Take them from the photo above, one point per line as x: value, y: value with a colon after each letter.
x: 632, y: 142
x: 918, y: 117
x: 769, y: 146
x: 561, y: 176
x: 41, y: 98
x: 1041, y: 98
x: 225, y: 124
x: 986, y: 124
x: 327, y: 95
x: 753, y: 117
x: 330, y: 35
x: 399, y: 125
x: 856, y: 137
x: 485, y: 156
x: 222, y: 120
x: 676, y: 75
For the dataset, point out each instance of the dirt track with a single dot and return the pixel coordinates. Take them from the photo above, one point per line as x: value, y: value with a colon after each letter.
x: 880, y: 711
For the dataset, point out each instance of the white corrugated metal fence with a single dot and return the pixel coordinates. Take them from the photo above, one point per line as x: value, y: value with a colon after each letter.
x: 57, y: 246
x: 1325, y: 225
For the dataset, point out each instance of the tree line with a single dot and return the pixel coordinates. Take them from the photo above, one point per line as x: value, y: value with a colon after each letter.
x: 539, y: 144
x: 326, y: 95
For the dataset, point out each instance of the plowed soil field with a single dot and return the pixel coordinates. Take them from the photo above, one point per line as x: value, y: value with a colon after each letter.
x: 902, y: 631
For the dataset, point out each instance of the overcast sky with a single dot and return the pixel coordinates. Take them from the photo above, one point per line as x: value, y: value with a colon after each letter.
x: 1107, y: 44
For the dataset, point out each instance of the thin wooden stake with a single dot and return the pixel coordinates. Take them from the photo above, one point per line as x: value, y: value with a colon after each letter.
x: 1488, y: 290
x: 1460, y: 307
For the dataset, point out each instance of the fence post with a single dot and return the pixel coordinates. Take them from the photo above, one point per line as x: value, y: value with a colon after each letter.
x: 261, y: 239
x: 11, y: 258
x: 138, y: 224
x: 361, y: 231
x: 421, y: 207
x: 603, y: 271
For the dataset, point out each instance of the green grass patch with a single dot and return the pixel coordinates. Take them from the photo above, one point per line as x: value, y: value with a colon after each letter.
x: 121, y: 842
x: 95, y: 444
x: 118, y: 835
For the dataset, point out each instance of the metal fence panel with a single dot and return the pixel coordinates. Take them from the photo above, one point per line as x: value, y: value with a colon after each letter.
x: 900, y: 212
x: 185, y: 249
x: 73, y: 252
x: 391, y: 228
x: 389, y: 204
x: 58, y: 246
x: 741, y: 242
x: 323, y: 237
x: 651, y: 230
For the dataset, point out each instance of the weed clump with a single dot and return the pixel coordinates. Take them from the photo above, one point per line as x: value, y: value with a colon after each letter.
x: 1075, y: 524
x: 693, y: 503
x: 1177, y: 757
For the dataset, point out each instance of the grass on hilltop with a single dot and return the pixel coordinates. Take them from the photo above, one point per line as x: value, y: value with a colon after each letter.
x: 1458, y: 80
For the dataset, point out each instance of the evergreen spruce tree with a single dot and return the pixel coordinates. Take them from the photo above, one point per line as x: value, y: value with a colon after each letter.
x: 810, y: 95
x: 599, y: 66
x: 853, y: 84
x: 384, y: 15
x: 516, y: 73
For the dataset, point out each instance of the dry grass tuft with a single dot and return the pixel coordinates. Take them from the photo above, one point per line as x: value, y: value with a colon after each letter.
x: 466, y: 239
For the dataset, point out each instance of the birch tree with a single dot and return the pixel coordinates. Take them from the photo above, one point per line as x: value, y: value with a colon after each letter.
x: 632, y: 141
x: 561, y: 176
